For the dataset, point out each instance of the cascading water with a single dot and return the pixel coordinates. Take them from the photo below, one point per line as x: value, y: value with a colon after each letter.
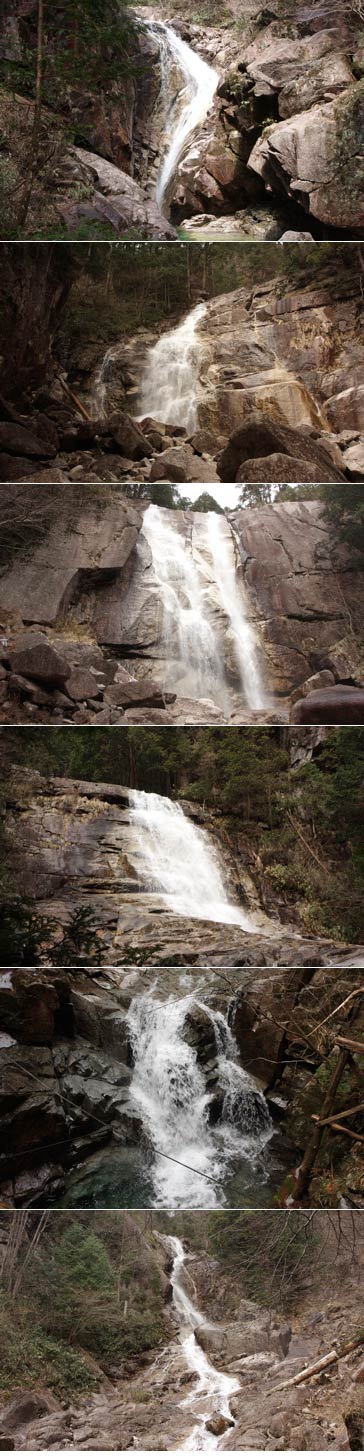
x: 186, y: 105
x: 235, y: 606
x: 169, y: 1091
x: 214, y: 1391
x: 169, y: 379
x: 196, y: 577
x: 182, y: 862
x: 190, y: 642
x: 98, y: 400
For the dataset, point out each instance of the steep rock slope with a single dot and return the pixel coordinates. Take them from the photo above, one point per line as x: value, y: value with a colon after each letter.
x: 76, y: 845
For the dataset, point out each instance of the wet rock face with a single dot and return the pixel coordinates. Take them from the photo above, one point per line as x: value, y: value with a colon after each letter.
x: 65, y: 1071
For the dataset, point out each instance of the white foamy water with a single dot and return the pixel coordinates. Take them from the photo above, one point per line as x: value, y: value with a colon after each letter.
x: 103, y: 376
x: 188, y: 89
x: 181, y: 862
x: 170, y: 1094
x: 189, y: 636
x: 235, y: 604
x: 213, y: 1393
x: 169, y: 379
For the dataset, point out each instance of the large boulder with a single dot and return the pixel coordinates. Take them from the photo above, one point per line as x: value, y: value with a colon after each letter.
x: 339, y: 704
x: 26, y: 1406
x: 180, y: 464
x: 119, y: 199
x: 316, y: 158
x: 257, y: 1331
x: 131, y: 440
x: 278, y: 468
x: 261, y: 436
x: 136, y: 694
x: 34, y: 657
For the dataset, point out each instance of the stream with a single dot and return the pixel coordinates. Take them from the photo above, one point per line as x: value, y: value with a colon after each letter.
x: 214, y: 1390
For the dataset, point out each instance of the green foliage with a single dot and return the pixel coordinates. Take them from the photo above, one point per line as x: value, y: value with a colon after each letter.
x: 344, y: 506
x: 26, y: 938
x: 92, y: 1288
x: 166, y: 495
x: 30, y: 1357
x: 207, y: 502
x: 81, y: 1261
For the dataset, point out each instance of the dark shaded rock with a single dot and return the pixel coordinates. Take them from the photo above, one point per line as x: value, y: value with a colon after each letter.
x: 340, y: 704
x: 131, y: 439
x: 27, y: 1406
x: 24, y: 440
x: 34, y: 657
x: 131, y: 694
x: 82, y: 684
x: 260, y: 436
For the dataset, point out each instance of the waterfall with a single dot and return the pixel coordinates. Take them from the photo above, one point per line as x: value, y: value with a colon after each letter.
x: 181, y: 862
x: 196, y: 577
x: 189, y: 637
x: 98, y: 398
x: 234, y: 603
x: 214, y: 1389
x: 170, y: 1094
x: 170, y: 375
x: 186, y: 103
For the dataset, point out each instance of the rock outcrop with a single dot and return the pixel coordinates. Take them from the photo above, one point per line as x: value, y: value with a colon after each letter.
x: 298, y: 79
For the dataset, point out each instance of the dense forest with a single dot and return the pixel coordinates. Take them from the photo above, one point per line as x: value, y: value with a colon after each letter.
x: 98, y: 293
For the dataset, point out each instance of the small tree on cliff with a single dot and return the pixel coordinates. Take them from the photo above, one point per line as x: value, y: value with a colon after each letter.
x: 256, y: 495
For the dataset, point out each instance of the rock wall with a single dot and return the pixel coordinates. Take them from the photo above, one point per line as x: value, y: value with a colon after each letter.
x: 296, y: 355
x: 305, y: 591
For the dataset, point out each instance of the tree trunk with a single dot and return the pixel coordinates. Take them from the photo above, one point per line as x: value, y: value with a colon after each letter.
x: 304, y: 1172
x: 34, y: 146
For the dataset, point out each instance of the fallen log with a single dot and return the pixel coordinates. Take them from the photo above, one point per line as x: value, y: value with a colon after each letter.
x: 323, y: 1364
